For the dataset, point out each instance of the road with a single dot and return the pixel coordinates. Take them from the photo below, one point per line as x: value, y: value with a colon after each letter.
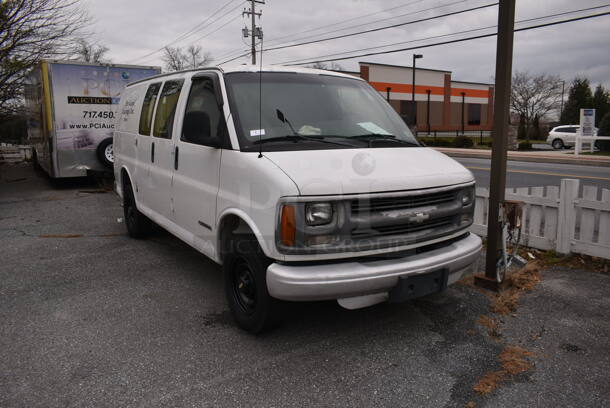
x: 529, y: 174
x: 92, y: 318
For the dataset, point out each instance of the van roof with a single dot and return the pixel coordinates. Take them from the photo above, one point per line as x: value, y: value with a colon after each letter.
x: 253, y: 68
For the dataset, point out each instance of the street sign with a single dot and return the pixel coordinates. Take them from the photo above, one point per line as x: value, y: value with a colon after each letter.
x: 587, y: 129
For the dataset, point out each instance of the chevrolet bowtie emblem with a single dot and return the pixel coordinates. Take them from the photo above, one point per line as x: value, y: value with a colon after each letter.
x: 419, y: 217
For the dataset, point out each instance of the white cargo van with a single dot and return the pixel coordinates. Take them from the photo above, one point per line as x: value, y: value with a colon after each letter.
x: 304, y: 184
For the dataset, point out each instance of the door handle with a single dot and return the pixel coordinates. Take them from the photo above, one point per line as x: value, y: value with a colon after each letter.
x: 176, y: 159
x: 152, y: 153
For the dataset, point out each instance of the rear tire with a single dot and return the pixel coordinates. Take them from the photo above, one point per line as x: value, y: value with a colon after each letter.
x: 557, y: 144
x: 138, y: 225
x: 105, y: 152
x: 245, y: 272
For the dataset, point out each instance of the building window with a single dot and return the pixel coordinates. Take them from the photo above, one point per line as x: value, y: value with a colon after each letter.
x: 474, y: 113
x: 406, y: 112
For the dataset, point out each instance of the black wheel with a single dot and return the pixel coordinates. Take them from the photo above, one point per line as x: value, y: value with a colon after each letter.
x: 138, y: 225
x: 557, y: 144
x: 105, y: 152
x: 245, y: 270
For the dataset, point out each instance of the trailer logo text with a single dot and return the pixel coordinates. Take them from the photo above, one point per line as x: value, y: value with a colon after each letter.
x: 92, y: 100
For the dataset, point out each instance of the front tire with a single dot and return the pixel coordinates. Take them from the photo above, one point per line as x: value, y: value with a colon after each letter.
x: 245, y: 272
x: 138, y: 225
x: 557, y: 144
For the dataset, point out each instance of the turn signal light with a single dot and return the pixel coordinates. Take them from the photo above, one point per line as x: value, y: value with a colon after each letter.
x: 288, y: 228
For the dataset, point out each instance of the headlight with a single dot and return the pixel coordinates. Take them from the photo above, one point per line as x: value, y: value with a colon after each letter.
x: 318, y: 213
x: 467, y: 196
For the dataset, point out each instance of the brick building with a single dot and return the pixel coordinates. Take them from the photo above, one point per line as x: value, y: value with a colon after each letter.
x: 443, y: 104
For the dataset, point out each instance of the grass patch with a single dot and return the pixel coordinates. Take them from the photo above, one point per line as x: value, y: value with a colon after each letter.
x: 590, y: 263
x: 596, y: 153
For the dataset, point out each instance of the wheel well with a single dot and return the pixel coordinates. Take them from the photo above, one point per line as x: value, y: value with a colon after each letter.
x: 125, y: 180
x: 230, y: 227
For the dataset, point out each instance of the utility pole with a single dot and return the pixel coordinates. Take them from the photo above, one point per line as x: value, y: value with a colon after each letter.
x: 563, y: 87
x: 255, y: 32
x: 504, y: 62
x: 413, y: 103
x: 463, y: 104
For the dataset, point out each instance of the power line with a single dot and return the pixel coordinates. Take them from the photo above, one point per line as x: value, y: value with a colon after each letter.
x: 200, y: 25
x: 232, y: 53
x: 383, y: 28
x: 370, y: 30
x: 449, y: 34
x: 347, y: 21
x: 457, y: 40
x: 384, y: 19
x: 217, y: 28
x: 192, y: 30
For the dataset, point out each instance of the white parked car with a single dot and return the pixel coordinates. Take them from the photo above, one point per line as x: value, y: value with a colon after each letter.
x: 561, y: 137
x: 321, y: 192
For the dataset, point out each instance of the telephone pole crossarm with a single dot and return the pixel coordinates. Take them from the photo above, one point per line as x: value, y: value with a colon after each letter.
x: 255, y: 32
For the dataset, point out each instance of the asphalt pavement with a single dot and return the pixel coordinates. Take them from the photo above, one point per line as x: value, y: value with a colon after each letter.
x: 92, y: 318
x: 529, y: 174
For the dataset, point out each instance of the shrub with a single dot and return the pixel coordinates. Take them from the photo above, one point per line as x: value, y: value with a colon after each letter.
x: 603, y: 145
x: 437, y: 141
x: 462, y: 141
x: 525, y: 146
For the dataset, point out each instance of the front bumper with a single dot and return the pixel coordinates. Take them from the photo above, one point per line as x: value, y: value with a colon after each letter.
x: 351, y: 279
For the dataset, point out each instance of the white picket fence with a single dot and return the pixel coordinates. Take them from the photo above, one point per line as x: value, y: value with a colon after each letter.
x: 557, y: 217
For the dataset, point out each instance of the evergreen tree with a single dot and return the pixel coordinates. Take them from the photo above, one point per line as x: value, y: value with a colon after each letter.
x: 601, y: 103
x: 604, y: 125
x: 579, y: 97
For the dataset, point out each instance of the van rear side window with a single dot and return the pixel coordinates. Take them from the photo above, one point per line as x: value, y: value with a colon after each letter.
x: 148, y: 107
x: 166, y: 109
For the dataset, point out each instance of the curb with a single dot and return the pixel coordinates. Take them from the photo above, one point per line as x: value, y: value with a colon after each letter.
x: 486, y: 154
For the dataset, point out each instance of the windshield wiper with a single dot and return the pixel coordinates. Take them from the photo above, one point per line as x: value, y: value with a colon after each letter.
x: 299, y: 138
x: 373, y: 137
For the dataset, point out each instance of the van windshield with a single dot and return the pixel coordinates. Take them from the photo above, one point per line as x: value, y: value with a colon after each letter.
x: 311, y: 111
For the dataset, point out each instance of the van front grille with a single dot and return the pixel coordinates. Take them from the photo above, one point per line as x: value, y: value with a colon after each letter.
x: 406, y: 228
x: 401, y: 203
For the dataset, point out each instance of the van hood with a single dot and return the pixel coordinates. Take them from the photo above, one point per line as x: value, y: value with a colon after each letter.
x: 353, y: 171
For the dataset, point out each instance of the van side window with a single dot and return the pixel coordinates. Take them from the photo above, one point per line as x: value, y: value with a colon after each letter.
x: 147, y: 108
x: 203, y: 118
x: 166, y: 108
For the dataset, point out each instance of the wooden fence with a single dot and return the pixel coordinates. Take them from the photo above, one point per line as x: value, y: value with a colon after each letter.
x: 557, y: 218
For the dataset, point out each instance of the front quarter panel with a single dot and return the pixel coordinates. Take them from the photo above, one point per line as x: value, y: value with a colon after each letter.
x: 250, y: 187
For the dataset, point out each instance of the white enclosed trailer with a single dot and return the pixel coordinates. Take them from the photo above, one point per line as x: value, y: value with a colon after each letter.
x: 71, y: 113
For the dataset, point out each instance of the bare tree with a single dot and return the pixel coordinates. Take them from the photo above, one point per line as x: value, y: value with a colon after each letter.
x: 177, y: 59
x: 89, y: 52
x: 534, y: 96
x: 332, y: 67
x: 29, y: 31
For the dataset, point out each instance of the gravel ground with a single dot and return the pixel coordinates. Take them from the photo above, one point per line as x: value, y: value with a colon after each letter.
x: 102, y: 320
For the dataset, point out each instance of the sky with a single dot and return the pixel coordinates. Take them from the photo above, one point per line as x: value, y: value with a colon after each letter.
x: 133, y: 29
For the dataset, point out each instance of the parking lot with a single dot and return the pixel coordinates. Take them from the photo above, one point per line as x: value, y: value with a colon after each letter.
x: 92, y: 318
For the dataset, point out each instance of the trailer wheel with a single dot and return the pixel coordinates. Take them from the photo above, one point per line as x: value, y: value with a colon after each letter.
x: 105, y: 152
